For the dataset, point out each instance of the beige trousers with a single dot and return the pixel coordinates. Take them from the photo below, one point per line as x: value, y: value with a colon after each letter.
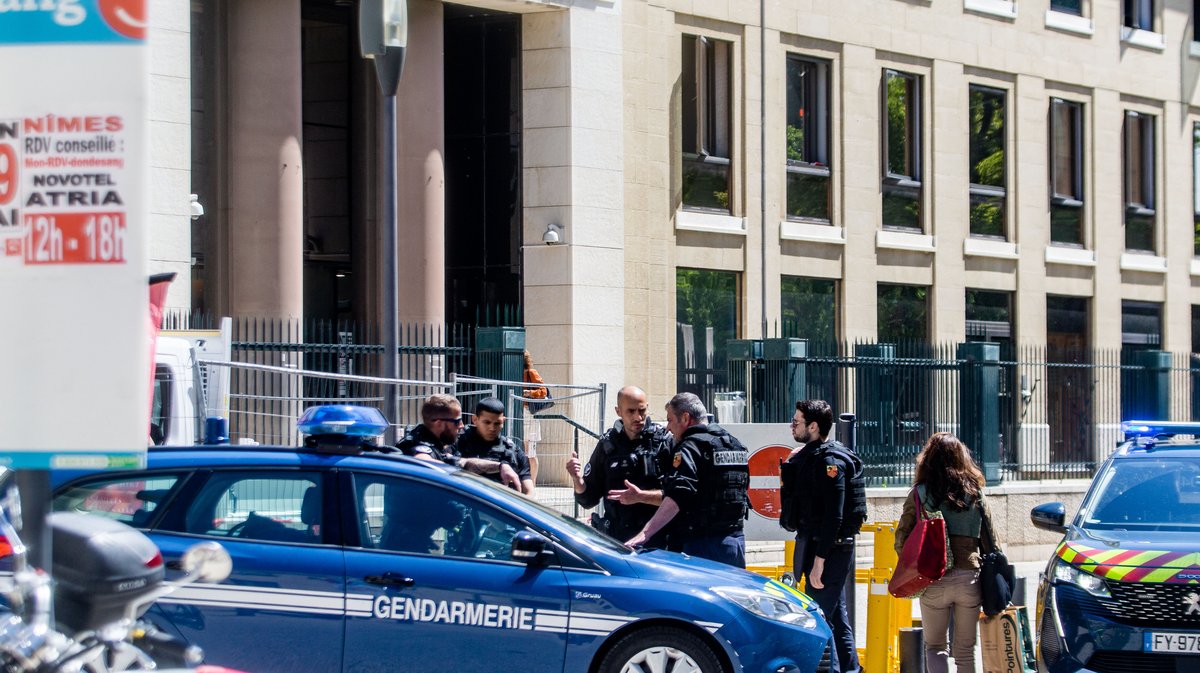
x: 957, y: 593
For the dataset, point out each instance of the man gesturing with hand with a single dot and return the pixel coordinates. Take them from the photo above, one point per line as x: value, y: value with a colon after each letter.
x: 625, y: 471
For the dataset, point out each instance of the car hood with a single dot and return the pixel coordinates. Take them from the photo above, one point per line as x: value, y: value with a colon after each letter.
x: 1133, y: 556
x: 681, y: 569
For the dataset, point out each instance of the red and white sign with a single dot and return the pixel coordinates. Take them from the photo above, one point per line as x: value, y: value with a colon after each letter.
x: 767, y: 443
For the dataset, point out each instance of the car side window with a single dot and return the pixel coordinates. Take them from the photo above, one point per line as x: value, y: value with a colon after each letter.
x: 258, y: 505
x: 128, y: 500
x: 406, y: 515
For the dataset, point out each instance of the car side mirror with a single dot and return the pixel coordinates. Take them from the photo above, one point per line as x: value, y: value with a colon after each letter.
x: 531, y: 548
x: 1049, y: 516
x: 207, y: 561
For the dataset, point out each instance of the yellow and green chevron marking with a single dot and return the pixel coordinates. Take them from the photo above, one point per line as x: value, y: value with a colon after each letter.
x: 1133, y: 565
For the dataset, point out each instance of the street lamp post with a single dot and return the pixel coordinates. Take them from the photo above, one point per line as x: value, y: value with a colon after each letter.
x: 383, y: 38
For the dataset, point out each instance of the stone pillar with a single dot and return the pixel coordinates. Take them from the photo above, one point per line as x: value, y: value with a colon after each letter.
x: 860, y: 99
x: 946, y: 175
x: 420, y: 169
x: 573, y: 161
x: 1029, y: 196
x: 265, y: 223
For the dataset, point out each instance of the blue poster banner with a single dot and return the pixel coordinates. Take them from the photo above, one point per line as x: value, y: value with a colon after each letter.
x: 72, y: 22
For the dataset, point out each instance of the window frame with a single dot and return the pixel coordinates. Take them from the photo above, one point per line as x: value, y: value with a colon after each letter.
x: 1057, y: 6
x: 819, y: 144
x: 975, y: 189
x: 182, y: 477
x: 914, y: 142
x: 1078, y: 200
x: 713, y: 121
x: 1139, y: 14
x: 1196, y: 185
x: 1147, y: 150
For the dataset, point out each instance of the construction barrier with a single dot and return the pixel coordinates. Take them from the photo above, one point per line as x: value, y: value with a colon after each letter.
x: 886, y: 615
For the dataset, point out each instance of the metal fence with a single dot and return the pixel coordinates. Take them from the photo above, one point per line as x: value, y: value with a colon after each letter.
x: 1049, y: 413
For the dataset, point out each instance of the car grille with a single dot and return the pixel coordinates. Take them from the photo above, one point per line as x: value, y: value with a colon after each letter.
x: 1137, y: 662
x: 1133, y: 604
x: 1048, y: 639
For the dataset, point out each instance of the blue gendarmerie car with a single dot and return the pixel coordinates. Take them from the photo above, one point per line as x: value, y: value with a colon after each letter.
x: 351, y: 559
x: 1121, y: 593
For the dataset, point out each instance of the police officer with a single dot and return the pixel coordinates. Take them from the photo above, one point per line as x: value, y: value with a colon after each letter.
x: 823, y: 483
x: 627, y: 466
x: 482, y: 440
x: 433, y: 440
x: 705, y: 488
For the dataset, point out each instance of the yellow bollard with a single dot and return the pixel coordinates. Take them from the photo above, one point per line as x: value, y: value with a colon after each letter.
x: 886, y: 615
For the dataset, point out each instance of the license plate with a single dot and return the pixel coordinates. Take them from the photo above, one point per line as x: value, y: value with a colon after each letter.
x: 1173, y: 643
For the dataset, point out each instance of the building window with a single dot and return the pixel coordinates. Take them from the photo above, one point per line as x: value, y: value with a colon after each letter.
x: 807, y: 139
x: 1139, y: 181
x: 1195, y: 329
x: 989, y: 316
x: 1195, y: 17
x: 1141, y: 325
x: 706, y: 313
x: 1139, y: 14
x: 902, y: 151
x: 988, y: 174
x: 707, y: 86
x: 1196, y: 188
x: 1066, y: 172
x: 903, y: 312
x: 809, y: 310
x: 1067, y: 6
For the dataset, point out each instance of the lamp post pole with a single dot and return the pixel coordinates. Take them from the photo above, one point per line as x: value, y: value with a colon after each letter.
x: 383, y: 36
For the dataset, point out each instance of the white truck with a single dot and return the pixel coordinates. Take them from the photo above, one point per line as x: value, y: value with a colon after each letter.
x: 185, y: 394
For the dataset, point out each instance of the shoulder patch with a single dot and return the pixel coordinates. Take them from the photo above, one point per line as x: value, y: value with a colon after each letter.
x: 831, y: 471
x: 587, y: 469
x: 677, y: 460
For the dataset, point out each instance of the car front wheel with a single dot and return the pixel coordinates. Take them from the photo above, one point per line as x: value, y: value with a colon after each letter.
x: 661, y: 650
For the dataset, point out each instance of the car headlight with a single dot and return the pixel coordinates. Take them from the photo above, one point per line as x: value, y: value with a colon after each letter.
x: 768, y: 605
x: 1068, y: 574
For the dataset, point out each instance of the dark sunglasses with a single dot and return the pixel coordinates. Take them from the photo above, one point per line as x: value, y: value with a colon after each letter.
x: 456, y: 421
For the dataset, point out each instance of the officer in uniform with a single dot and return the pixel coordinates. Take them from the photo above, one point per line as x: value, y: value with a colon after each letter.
x: 705, y: 489
x: 483, y: 441
x: 627, y: 466
x: 433, y: 440
x: 824, y: 501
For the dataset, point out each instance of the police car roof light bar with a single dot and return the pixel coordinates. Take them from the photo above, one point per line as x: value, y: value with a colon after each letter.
x: 342, y: 419
x: 1137, y: 429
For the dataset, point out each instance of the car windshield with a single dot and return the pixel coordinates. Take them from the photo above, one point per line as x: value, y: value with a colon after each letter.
x: 1144, y: 493
x: 579, y: 530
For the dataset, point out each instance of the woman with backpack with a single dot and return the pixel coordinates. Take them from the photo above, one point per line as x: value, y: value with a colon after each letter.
x: 948, y: 481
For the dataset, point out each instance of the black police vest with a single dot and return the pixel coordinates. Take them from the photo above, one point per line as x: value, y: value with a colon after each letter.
x: 724, y: 482
x: 643, y: 465
x: 798, y: 481
x: 421, y: 436
x: 471, y: 445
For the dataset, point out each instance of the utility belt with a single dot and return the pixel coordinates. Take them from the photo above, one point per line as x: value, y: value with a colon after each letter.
x: 837, y: 542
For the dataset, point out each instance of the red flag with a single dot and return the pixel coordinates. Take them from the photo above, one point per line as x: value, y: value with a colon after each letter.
x: 159, y: 283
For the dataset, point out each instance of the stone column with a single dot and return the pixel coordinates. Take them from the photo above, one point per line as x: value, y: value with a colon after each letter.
x: 420, y: 169
x: 266, y: 179
x: 946, y: 175
x: 861, y: 196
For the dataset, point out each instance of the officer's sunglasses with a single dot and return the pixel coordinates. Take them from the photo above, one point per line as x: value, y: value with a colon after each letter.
x: 456, y: 421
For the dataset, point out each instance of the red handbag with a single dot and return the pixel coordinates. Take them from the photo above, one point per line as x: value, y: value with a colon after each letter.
x: 923, y: 559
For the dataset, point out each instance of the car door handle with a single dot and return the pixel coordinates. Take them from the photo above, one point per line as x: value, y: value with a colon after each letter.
x: 390, y: 580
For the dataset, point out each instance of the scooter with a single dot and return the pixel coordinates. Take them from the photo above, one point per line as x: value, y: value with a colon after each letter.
x: 86, y: 615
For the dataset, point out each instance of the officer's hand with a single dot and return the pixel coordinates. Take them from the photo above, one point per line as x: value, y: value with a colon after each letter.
x: 629, y: 495
x: 509, y: 478
x: 636, y: 541
x: 573, y: 466
x: 814, y: 575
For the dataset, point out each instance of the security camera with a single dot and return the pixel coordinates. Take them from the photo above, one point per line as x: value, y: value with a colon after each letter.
x: 195, y: 207
x: 553, y: 235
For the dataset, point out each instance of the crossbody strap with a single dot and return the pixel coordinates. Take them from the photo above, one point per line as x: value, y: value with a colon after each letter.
x: 988, y: 537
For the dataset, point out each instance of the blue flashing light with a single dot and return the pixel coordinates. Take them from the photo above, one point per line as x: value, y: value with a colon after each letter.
x: 342, y: 419
x: 1134, y: 429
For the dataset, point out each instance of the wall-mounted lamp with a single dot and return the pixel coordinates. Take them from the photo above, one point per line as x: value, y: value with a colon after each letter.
x: 195, y: 207
x: 553, y: 235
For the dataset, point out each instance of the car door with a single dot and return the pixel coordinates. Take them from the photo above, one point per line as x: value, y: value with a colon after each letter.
x: 281, y: 610
x: 431, y: 586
